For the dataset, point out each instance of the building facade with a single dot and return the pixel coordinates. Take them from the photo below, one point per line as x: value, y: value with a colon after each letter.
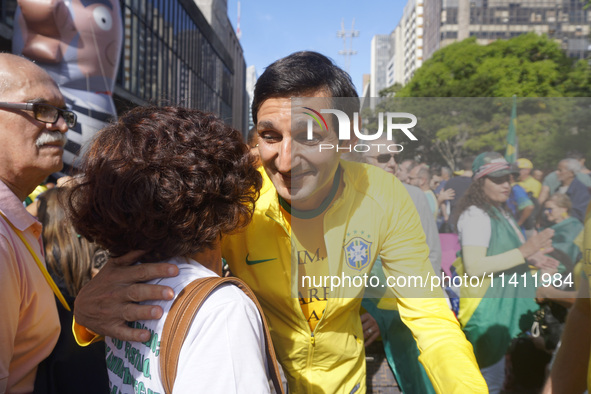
x: 413, y: 21
x: 172, y: 55
x: 395, y: 57
x: 565, y: 21
x: 428, y: 25
x: 395, y: 70
x: 251, y: 80
x: 380, y: 56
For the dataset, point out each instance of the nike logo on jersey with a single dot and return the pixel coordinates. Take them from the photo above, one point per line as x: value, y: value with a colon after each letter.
x: 253, y: 262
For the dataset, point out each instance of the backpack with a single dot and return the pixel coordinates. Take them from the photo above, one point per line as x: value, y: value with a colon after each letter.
x: 180, y: 317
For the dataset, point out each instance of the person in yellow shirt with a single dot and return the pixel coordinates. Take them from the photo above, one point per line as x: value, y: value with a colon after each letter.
x: 321, y: 217
x: 526, y: 180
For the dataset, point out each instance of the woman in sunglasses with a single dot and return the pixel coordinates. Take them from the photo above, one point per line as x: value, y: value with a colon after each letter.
x: 494, y: 251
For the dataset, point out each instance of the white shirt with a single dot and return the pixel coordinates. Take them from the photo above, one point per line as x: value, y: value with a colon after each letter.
x: 224, y: 351
x: 474, y: 228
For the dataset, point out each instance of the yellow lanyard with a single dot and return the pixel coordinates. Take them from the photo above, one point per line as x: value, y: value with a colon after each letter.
x: 41, y: 266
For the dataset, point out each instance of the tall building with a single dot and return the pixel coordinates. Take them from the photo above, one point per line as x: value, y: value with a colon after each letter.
x: 395, y: 71
x: 365, y: 96
x: 428, y: 25
x: 366, y: 80
x: 412, y: 36
x: 562, y: 20
x: 216, y: 14
x: 174, y: 53
x: 431, y: 29
x: 380, y: 55
x: 251, y: 80
x: 396, y: 56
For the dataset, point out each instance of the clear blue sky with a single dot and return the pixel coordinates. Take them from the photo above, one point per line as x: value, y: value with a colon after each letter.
x: 272, y: 29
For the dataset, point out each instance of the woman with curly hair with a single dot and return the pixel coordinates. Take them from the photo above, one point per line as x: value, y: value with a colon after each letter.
x: 171, y: 181
x: 494, y: 312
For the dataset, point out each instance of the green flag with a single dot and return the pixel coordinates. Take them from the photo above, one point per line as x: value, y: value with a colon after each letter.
x: 511, y: 152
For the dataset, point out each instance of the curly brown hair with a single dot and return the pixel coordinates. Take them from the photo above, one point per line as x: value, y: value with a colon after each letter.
x: 476, y: 196
x: 167, y: 180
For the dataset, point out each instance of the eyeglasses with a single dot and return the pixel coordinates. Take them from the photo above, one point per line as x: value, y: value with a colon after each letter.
x: 499, y: 180
x: 44, y: 112
x: 384, y: 158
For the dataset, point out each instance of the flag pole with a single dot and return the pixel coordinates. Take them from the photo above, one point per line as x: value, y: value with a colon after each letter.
x: 511, y: 153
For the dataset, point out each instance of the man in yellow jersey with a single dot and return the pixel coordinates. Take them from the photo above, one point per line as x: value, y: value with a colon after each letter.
x: 318, y: 216
x: 33, y: 123
x: 571, y: 372
x: 525, y: 179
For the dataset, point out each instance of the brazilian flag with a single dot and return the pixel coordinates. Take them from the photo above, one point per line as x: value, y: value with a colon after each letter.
x: 511, y: 152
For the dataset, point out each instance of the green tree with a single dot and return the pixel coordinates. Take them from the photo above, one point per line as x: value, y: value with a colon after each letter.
x: 391, y: 90
x: 528, y: 66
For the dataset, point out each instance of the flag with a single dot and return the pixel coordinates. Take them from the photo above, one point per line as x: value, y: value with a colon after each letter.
x: 512, y: 152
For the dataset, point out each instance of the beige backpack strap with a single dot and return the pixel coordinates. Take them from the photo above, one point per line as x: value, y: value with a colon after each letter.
x: 179, y: 320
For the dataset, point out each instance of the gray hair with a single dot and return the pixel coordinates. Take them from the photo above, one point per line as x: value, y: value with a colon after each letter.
x: 412, y: 165
x: 424, y: 173
x: 572, y: 165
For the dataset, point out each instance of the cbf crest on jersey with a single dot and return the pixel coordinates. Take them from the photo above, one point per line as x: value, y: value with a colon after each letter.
x: 358, y: 252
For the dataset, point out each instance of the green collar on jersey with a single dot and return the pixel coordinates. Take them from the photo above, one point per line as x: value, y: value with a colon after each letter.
x: 325, y: 203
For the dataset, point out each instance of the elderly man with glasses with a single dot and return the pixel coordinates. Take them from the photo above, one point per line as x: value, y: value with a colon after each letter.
x: 44, y: 112
x: 33, y: 126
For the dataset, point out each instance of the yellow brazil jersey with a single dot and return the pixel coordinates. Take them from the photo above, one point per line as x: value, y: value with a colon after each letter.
x: 532, y: 185
x: 373, y: 216
x: 307, y: 235
x: 33, y: 196
x: 310, y: 251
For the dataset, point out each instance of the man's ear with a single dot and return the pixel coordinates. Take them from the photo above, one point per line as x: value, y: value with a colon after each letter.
x: 354, y: 139
x: 351, y: 142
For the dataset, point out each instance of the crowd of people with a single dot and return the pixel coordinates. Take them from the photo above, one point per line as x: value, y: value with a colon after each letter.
x: 502, y: 226
x: 165, y: 195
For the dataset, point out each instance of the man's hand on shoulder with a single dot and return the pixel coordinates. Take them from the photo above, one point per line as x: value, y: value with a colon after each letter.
x: 110, y: 299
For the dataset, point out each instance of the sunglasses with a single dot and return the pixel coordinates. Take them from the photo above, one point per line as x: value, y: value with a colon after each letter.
x: 44, y: 112
x: 500, y: 179
x: 384, y: 158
